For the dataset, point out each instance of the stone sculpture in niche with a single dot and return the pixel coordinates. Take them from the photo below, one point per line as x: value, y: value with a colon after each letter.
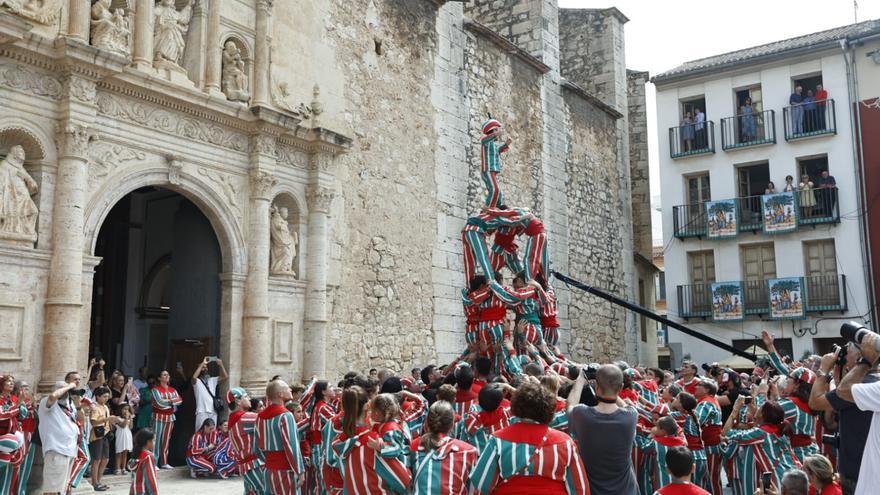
x: 41, y: 11
x: 110, y: 30
x: 169, y: 32
x: 235, y: 81
x: 284, y: 243
x: 18, y: 212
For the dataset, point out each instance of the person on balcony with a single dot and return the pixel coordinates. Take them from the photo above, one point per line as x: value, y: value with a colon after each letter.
x: 797, y: 110
x: 821, y: 101
x: 806, y: 197
x: 748, y: 124
x: 789, y: 184
x: 771, y: 188
x: 700, y: 127
x: 687, y: 132
x: 810, y: 111
x: 827, y: 192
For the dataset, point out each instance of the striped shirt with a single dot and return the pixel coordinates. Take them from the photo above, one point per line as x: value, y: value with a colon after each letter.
x: 165, y: 402
x: 708, y: 413
x: 366, y: 471
x: 444, y: 470
x: 322, y: 413
x: 479, y: 425
x: 656, y: 447
x: 143, y: 475
x: 277, y: 439
x: 770, y: 449
x: 490, y: 154
x: 201, y: 441
x: 242, y: 434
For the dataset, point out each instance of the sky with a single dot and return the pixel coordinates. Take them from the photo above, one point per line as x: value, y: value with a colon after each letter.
x: 661, y: 34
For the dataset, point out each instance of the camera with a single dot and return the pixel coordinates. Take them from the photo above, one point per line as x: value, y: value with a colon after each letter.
x: 841, y: 356
x: 78, y: 392
x: 747, y: 400
x: 855, y: 332
x: 591, y: 370
x: 832, y: 440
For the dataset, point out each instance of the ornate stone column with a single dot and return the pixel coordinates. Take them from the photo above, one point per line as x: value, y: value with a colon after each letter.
x: 64, y: 301
x: 214, y: 59
x: 78, y: 21
x: 143, y: 35
x: 261, y: 52
x: 315, y: 332
x: 256, y: 332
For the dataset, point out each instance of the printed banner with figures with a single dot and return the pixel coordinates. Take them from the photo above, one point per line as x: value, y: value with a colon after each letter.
x: 786, y: 298
x: 727, y: 301
x: 721, y: 219
x: 780, y: 212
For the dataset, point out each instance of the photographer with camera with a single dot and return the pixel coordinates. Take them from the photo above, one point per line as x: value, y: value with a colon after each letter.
x: 59, y: 432
x: 853, y: 423
x: 205, y: 390
x: 866, y: 397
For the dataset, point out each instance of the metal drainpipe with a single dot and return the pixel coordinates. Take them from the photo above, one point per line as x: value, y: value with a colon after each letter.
x: 857, y: 143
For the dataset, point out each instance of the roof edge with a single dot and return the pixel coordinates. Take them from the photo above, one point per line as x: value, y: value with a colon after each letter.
x: 591, y: 98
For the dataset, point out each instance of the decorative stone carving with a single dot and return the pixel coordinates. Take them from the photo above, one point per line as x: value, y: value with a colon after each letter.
x: 18, y: 212
x: 264, y: 144
x: 175, y: 166
x: 74, y: 139
x: 262, y: 183
x: 169, y: 32
x: 40, y: 11
x: 82, y: 89
x: 319, y: 199
x: 21, y: 78
x: 225, y: 183
x: 104, y: 158
x: 110, y: 30
x: 284, y: 244
x: 235, y: 81
x: 321, y: 162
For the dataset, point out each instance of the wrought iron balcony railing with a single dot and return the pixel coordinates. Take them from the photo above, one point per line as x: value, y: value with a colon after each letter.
x: 810, y: 119
x: 750, y: 129
x: 692, y: 139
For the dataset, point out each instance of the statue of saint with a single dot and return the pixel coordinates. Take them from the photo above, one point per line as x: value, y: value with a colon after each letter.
x: 283, y: 243
x: 18, y: 212
x: 110, y: 30
x: 170, y: 27
x: 235, y: 81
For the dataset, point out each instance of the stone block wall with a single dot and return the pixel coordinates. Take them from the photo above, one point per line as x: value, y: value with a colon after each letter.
x: 638, y: 162
x: 518, y: 21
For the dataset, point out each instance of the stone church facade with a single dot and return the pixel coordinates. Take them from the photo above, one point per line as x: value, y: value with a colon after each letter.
x: 331, y: 146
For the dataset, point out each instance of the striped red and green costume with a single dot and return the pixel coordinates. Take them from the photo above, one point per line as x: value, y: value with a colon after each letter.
x: 560, y: 416
x: 690, y: 427
x: 708, y: 414
x: 473, y: 237
x: 310, y: 483
x: 28, y: 427
x: 464, y: 401
x: 320, y: 415
x: 444, y: 470
x: 11, y: 411
x: 472, y: 301
x: 199, y: 457
x: 798, y: 414
x: 537, y: 261
x: 83, y: 456
x: 766, y: 449
x: 527, y: 458
x: 165, y: 402
x: 222, y: 457
x: 11, y: 456
x: 526, y: 303
x: 413, y: 414
x: 143, y: 475
x: 242, y: 434
x: 548, y: 317
x: 655, y: 449
x: 331, y: 473
x: 490, y: 167
x: 366, y: 471
x: 479, y: 425
x: 503, y: 252
x: 278, y: 441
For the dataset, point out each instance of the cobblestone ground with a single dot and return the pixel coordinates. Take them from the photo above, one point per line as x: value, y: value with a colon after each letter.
x: 179, y: 486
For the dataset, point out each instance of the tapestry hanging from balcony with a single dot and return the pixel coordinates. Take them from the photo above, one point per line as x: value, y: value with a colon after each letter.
x: 721, y: 219
x: 780, y: 212
x: 786, y: 298
x: 727, y: 301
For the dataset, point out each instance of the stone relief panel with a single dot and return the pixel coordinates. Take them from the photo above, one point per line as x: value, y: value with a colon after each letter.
x: 11, y: 331
x: 18, y: 211
x: 111, y: 28
x: 21, y: 78
x: 105, y: 158
x: 159, y: 118
x: 282, y: 341
x: 39, y: 11
x: 226, y: 183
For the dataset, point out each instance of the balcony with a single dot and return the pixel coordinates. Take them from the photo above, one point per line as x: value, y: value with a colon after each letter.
x: 804, y: 121
x: 687, y: 140
x: 742, y: 131
x: 821, y: 293
x: 811, y: 207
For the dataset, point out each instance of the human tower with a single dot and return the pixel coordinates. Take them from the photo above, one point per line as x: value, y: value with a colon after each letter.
x: 535, y: 334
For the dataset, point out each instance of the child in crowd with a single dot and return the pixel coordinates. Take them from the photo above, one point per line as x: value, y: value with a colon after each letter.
x: 664, y: 436
x: 143, y: 464
x: 440, y: 464
x: 123, y: 438
x: 680, y: 466
x: 683, y: 412
x: 491, y: 416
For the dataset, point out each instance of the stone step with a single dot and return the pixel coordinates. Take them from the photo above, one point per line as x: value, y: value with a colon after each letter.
x: 121, y: 483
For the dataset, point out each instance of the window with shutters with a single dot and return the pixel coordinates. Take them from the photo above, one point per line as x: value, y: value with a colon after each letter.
x: 701, y: 265
x: 758, y: 262
x: 820, y: 273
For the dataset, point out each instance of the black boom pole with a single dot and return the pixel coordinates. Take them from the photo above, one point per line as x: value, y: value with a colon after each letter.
x: 652, y: 315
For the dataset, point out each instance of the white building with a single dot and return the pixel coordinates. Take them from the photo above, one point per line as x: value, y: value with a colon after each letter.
x: 718, y: 224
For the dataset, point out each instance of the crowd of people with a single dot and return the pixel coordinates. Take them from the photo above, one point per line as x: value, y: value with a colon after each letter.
x: 814, y: 198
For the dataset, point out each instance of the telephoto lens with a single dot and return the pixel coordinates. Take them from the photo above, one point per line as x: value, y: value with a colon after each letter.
x: 855, y: 332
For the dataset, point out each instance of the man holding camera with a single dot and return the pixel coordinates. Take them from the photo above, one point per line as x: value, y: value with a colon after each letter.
x: 59, y: 433
x: 205, y: 390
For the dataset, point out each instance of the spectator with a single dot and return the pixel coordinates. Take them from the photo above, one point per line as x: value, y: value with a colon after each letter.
x: 374, y: 373
x: 141, y: 381
x: 688, y: 378
x: 123, y: 438
x: 809, y: 103
x: 437, y: 459
x: 853, y: 424
x: 867, y: 397
x: 749, y: 126
x: 605, y: 433
x: 768, y: 445
x: 59, y: 434
x: 465, y: 398
x: 432, y: 379
x: 145, y: 409
x: 687, y: 132
x: 806, y: 196
x: 827, y: 193
x: 482, y: 372
x: 821, y: 102
x: 99, y: 444
x: 205, y: 390
x: 680, y: 464
x: 794, y: 482
x: 700, y: 128
x: 821, y: 474
x: 771, y: 188
x: 789, y: 184
x: 797, y: 110
x: 551, y: 461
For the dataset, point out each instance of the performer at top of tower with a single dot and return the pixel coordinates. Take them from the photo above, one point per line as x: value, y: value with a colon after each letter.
x: 491, y: 148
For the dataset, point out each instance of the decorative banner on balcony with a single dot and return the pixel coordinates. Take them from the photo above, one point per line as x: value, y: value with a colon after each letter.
x: 727, y: 301
x: 786, y: 298
x: 721, y: 219
x: 780, y: 212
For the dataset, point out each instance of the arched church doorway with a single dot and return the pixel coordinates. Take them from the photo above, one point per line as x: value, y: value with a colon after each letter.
x: 156, y: 294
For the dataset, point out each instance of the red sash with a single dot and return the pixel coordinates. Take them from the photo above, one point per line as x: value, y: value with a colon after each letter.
x: 711, y: 435
x: 671, y: 441
x: 534, y: 228
x: 549, y: 322
x: 276, y: 460
x: 801, y: 440
x: 530, y: 485
x: 493, y: 314
x: 694, y: 442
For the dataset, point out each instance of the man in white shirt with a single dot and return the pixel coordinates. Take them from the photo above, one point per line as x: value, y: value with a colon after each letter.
x: 205, y: 390
x: 59, y: 434
x: 700, y: 126
x: 867, y: 397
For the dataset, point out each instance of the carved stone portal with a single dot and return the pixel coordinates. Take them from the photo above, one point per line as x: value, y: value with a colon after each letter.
x: 111, y: 30
x: 284, y: 244
x: 40, y: 11
x: 235, y: 81
x: 18, y: 212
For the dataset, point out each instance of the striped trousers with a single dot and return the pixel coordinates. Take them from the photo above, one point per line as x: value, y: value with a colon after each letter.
x: 24, y: 469
x: 475, y: 252
x: 714, y: 461
x: 281, y: 482
x: 537, y: 260
x: 254, y: 481
x: 551, y: 335
x: 80, y: 465
x: 529, y: 332
x: 7, y: 476
x: 500, y: 258
x: 494, y: 196
x: 644, y: 466
x: 163, y: 430
x: 199, y: 464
